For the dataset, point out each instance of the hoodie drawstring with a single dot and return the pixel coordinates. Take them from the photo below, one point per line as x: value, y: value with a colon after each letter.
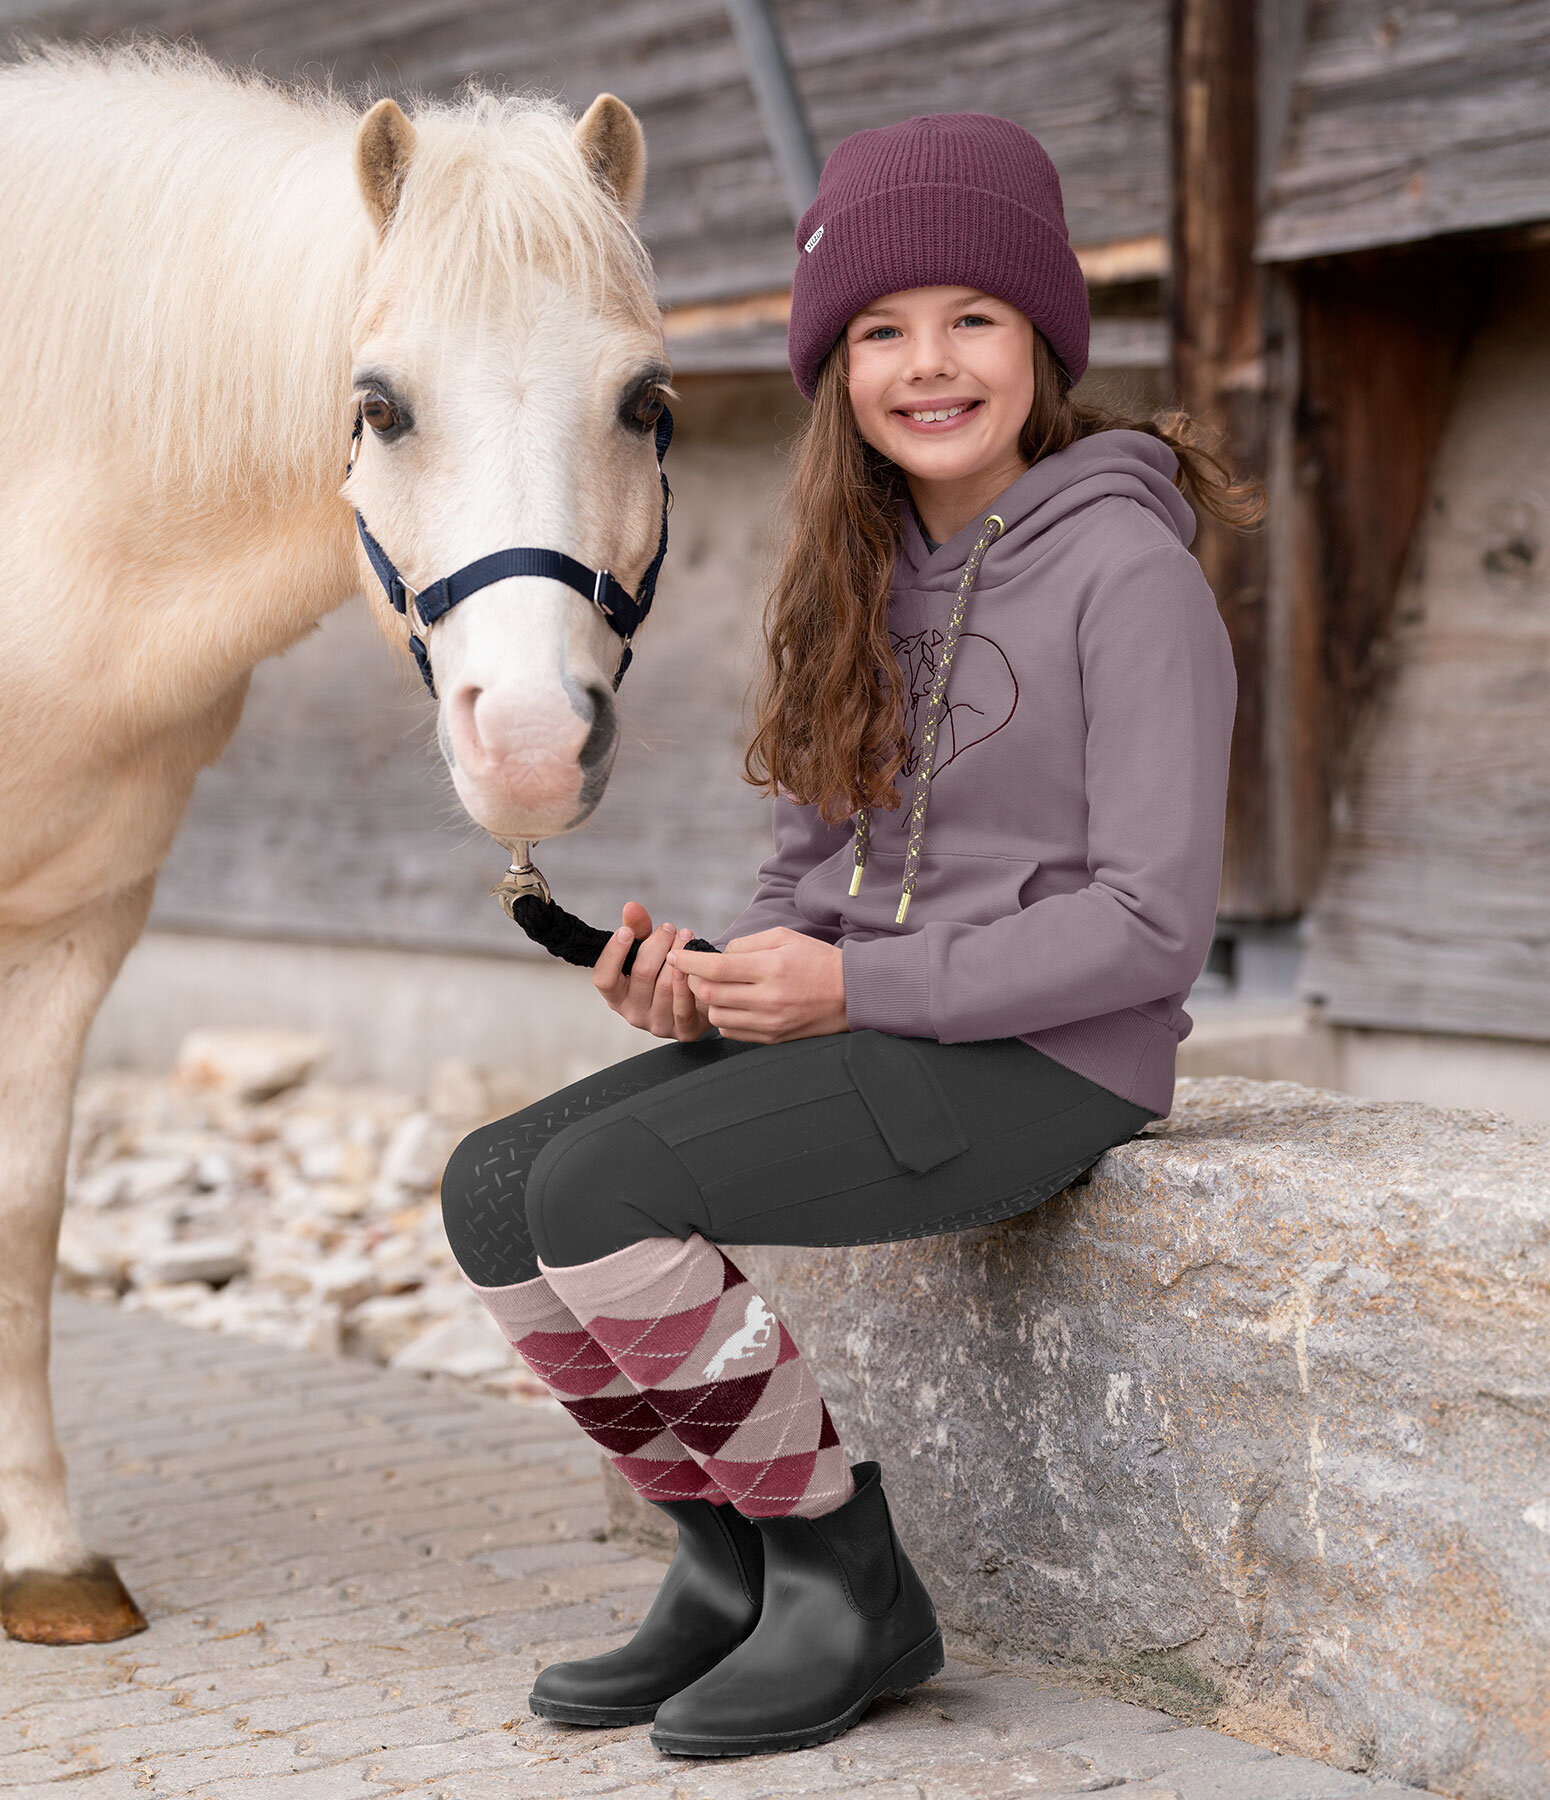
x: 994, y: 526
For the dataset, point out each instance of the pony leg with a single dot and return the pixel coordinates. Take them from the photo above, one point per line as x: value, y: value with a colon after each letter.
x: 52, y: 1590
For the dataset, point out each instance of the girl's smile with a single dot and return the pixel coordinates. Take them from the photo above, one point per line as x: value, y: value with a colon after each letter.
x: 937, y: 416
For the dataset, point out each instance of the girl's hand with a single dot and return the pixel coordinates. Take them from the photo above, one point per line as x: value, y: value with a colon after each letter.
x: 768, y: 988
x: 653, y: 997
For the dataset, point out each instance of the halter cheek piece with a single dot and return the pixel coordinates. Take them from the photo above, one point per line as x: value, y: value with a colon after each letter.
x: 523, y: 892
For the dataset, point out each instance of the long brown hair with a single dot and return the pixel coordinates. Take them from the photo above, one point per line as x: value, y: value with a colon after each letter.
x: 830, y: 707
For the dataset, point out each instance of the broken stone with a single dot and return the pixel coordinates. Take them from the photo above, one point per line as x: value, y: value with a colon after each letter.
x: 417, y: 1153
x: 344, y: 1280
x: 467, y: 1346
x: 457, y: 1092
x: 211, y: 1260
x: 133, y: 1179
x: 249, y: 1065
x: 88, y: 1257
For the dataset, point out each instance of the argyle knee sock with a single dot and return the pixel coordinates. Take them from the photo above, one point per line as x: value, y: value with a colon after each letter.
x: 608, y: 1407
x: 685, y: 1326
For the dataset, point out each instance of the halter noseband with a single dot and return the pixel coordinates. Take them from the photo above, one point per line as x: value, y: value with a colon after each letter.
x: 420, y: 610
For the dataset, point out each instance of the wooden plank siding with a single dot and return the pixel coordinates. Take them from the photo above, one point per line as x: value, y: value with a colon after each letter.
x: 1407, y: 121
x: 1435, y: 911
x: 1090, y: 80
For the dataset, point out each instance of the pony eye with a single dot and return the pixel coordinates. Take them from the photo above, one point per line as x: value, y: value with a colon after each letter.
x: 379, y: 413
x: 644, y: 406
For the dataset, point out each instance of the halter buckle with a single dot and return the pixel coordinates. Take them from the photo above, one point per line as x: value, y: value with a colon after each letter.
x: 599, y: 588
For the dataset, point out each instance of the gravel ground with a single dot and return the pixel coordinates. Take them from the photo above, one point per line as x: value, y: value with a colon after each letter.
x: 242, y: 1194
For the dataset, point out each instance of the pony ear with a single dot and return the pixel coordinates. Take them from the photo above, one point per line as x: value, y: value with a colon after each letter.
x: 384, y: 143
x: 609, y: 137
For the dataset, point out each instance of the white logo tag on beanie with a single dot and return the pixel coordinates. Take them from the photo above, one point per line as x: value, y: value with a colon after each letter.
x: 812, y: 242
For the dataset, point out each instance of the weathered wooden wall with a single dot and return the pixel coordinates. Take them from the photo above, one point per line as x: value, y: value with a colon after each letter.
x: 1089, y: 79
x: 1410, y: 120
x: 1435, y: 911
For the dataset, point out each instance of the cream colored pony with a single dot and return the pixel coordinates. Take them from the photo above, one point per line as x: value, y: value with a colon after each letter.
x: 203, y: 277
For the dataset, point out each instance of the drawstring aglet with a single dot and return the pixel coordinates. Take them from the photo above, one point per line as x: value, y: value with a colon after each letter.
x: 904, y: 906
x: 855, y: 880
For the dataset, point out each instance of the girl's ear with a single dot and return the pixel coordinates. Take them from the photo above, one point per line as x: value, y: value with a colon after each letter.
x: 613, y: 145
x: 384, y: 144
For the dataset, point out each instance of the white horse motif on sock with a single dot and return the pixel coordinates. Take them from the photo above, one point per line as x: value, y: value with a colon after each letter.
x: 753, y: 1335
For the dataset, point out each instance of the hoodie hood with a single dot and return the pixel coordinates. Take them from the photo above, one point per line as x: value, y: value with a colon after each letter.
x: 1133, y: 465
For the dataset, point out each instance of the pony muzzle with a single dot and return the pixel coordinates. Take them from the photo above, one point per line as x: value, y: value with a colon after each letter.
x: 525, y: 762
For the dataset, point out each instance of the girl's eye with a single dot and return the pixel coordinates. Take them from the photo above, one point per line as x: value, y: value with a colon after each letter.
x: 975, y: 319
x: 380, y: 413
x: 879, y: 328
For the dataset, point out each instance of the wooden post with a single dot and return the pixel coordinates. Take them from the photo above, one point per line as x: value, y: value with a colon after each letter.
x: 1220, y: 376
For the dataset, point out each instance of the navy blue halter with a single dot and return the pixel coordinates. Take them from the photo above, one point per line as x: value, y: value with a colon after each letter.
x: 623, y: 610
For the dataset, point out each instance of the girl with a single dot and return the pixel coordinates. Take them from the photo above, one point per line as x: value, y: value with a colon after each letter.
x: 896, y: 1040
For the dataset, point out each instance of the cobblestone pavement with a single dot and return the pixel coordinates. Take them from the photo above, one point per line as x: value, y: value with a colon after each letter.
x: 351, y: 1573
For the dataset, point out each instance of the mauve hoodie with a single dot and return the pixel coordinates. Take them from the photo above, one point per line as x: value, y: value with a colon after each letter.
x: 1072, y: 854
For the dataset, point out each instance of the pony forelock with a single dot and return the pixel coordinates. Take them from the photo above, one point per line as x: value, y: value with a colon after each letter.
x: 187, y: 250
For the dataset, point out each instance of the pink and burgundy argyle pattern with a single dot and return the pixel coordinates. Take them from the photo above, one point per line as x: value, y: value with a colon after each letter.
x: 587, y: 1383
x: 685, y: 1327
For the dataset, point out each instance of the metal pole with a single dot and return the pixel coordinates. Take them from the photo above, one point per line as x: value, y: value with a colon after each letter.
x: 780, y: 105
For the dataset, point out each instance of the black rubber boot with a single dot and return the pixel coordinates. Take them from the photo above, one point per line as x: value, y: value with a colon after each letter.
x: 845, y: 1618
x: 707, y: 1604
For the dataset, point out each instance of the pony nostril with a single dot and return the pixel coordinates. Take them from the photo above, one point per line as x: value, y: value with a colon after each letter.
x: 464, y: 704
x: 605, y: 729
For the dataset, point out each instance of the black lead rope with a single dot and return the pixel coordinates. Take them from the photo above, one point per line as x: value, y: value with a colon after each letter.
x: 523, y: 892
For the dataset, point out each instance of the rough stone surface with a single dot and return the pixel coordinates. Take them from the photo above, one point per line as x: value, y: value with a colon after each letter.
x: 352, y: 1574
x: 1258, y: 1418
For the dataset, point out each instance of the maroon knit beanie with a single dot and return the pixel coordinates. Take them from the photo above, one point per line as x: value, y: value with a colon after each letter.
x: 948, y: 199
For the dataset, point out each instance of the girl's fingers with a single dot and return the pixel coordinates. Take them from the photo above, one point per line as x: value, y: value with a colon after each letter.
x: 660, y: 1015
x: 719, y: 993
x: 606, y: 974
x: 648, y: 964
x: 725, y: 965
x: 688, y: 1020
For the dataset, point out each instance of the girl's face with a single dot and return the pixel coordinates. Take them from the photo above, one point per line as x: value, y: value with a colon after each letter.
x: 927, y: 352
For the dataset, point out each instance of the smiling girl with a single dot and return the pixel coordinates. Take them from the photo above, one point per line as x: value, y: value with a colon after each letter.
x: 987, y: 603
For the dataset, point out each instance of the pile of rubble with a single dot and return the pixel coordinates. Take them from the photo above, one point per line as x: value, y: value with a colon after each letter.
x: 242, y: 1194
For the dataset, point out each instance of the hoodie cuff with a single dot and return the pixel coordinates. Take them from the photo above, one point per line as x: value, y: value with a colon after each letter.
x: 886, y: 985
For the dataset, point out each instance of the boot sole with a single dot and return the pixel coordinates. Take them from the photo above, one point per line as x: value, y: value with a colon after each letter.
x: 914, y: 1667
x: 571, y: 1712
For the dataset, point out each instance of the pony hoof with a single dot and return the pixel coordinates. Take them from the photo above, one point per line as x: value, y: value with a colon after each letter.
x: 88, y: 1606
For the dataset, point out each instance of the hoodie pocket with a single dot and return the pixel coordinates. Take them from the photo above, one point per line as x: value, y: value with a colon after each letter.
x: 905, y: 1099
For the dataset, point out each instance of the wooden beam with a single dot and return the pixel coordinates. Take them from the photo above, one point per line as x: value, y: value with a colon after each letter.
x: 1221, y: 377
x: 1122, y: 261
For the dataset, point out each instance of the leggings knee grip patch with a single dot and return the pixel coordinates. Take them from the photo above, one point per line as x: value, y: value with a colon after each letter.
x: 905, y: 1099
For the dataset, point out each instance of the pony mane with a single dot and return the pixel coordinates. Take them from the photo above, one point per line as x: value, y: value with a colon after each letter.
x: 186, y: 250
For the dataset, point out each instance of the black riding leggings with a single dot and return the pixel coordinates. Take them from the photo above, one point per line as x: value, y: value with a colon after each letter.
x: 854, y: 1138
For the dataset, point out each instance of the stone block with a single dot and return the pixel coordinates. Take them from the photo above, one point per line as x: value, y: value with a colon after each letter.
x: 1255, y: 1420
x: 249, y: 1065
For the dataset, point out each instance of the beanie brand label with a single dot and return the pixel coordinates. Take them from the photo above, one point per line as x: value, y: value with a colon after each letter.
x: 813, y: 240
